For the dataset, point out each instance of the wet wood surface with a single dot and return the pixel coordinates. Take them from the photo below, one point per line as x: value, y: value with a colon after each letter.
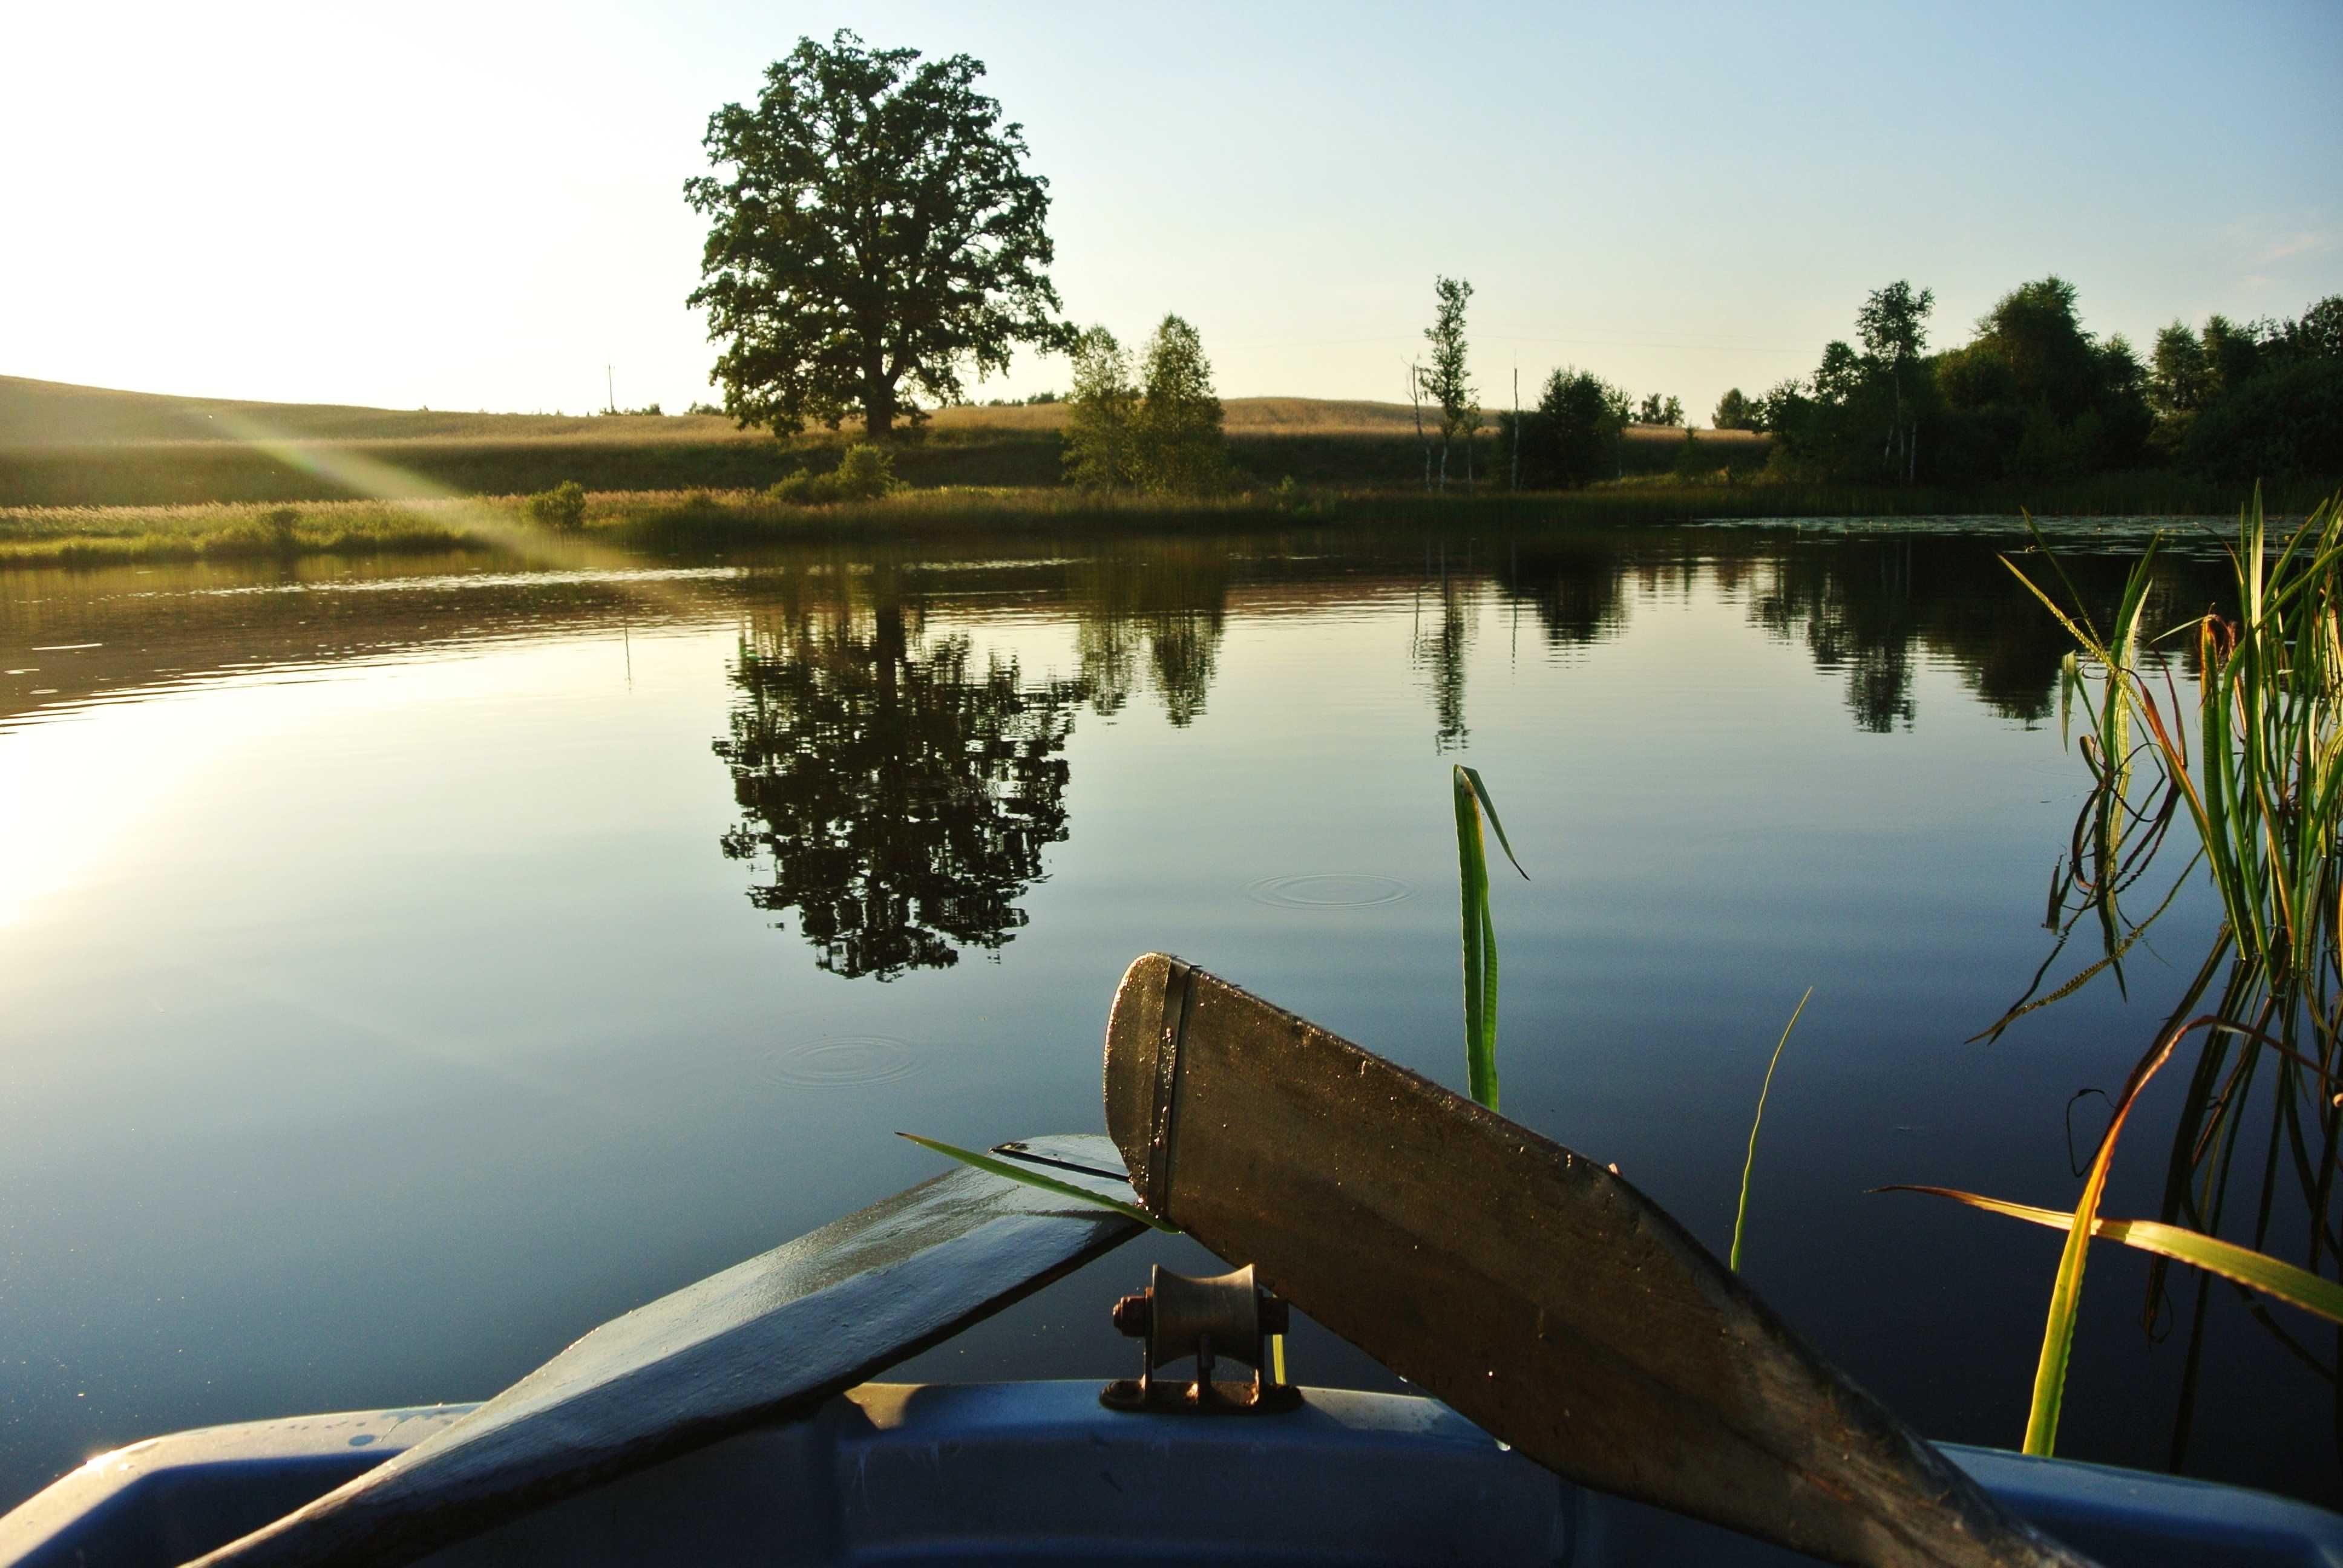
x: 1532, y: 1289
x: 768, y: 1340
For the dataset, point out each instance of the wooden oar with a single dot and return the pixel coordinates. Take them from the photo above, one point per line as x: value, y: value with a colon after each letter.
x: 765, y: 1341
x: 1532, y: 1289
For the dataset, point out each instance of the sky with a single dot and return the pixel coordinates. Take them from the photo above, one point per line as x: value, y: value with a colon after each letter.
x: 478, y: 204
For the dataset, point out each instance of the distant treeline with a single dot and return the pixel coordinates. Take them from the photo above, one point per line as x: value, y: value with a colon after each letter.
x: 2033, y: 396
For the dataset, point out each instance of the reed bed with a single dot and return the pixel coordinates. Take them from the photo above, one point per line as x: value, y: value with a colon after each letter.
x: 2259, y: 1028
x: 119, y: 535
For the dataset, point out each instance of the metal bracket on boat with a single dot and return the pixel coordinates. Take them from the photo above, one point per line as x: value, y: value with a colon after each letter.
x: 1225, y: 1318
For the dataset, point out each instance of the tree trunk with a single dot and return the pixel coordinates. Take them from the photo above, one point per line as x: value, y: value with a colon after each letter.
x: 877, y: 398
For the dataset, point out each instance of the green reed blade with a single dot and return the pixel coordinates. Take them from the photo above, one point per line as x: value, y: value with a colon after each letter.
x: 1478, y: 934
x: 2135, y: 599
x: 1749, y: 1162
x: 2256, y: 1270
x: 2066, y: 1286
x: 2070, y: 683
x: 1482, y: 1071
x: 1478, y: 930
x: 1032, y: 1178
x: 1472, y: 776
x: 2090, y: 643
x: 2088, y: 634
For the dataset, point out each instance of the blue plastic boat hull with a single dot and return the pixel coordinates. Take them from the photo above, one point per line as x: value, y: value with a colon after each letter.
x: 1040, y: 1472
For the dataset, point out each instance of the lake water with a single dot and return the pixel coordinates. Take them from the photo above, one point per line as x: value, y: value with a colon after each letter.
x: 405, y: 967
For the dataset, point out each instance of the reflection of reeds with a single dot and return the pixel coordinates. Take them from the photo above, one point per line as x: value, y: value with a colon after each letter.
x: 2264, y: 789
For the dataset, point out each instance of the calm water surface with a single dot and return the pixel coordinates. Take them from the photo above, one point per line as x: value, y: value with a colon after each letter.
x: 404, y: 968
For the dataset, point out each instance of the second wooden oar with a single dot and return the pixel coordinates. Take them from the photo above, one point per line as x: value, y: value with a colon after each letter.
x: 1532, y: 1289
x: 768, y: 1340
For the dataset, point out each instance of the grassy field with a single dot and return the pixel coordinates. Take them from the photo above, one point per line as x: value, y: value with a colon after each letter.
x: 95, y: 476
x: 56, y: 413
x: 81, y: 447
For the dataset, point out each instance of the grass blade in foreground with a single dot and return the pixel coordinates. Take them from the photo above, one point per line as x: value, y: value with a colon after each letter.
x: 1741, y: 1215
x: 1032, y: 1178
x: 1479, y: 931
x: 2067, y: 1285
x: 2256, y: 1270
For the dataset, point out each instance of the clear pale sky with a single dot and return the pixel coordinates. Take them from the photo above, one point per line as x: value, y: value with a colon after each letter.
x: 478, y: 204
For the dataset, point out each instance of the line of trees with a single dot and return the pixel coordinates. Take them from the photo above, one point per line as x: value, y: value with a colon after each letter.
x: 2239, y: 400
x: 2036, y: 395
x: 875, y: 235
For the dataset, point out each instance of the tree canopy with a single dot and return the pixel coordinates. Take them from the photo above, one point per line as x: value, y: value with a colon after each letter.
x: 1735, y: 411
x: 1181, y: 448
x: 1571, y: 436
x: 2247, y: 400
x: 1101, y: 414
x: 1655, y: 410
x: 2032, y: 397
x: 874, y: 234
x: 1161, y: 434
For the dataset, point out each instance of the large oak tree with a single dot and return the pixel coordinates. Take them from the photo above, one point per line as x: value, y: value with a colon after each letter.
x: 874, y: 235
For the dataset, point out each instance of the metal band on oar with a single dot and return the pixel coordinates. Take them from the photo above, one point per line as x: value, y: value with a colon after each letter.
x: 1157, y: 1192
x: 1527, y: 1286
x: 766, y: 1340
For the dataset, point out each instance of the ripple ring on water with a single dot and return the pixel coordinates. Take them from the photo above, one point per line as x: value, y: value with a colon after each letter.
x: 842, y: 1061
x: 1327, y: 892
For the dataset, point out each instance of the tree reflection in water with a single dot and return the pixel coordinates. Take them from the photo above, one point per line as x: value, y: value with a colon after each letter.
x: 903, y: 788
x: 902, y: 792
x: 1442, y: 639
x: 1174, y: 598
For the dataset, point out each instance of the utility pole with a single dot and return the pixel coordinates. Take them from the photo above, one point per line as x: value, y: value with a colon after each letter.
x: 1517, y: 426
x: 1415, y: 397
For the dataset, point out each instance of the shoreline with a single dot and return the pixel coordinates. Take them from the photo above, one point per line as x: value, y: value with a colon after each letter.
x: 89, y: 536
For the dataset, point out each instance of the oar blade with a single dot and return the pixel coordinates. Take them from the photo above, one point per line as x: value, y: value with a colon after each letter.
x: 765, y: 1341
x: 1530, y: 1288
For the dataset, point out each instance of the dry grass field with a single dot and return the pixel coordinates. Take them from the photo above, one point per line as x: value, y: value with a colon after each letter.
x: 52, y: 414
x: 64, y: 445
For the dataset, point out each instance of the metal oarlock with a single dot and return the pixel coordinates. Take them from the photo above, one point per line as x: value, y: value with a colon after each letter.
x: 1226, y: 1317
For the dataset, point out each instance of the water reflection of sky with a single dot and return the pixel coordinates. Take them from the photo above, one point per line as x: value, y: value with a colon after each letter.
x: 383, y: 1008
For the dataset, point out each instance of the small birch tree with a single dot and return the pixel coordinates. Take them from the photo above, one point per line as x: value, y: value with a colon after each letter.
x: 1102, y: 411
x: 1893, y: 324
x: 1180, y: 446
x: 1445, y: 380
